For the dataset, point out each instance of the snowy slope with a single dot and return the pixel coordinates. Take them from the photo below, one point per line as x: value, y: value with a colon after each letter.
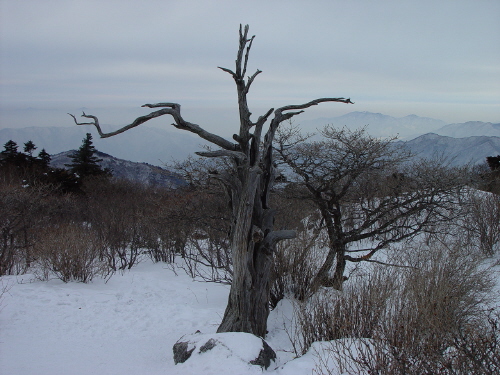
x: 125, y: 326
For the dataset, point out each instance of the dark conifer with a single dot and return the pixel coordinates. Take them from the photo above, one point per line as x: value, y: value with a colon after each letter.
x: 84, y: 162
x: 29, y: 147
x: 10, y: 152
x: 44, y: 158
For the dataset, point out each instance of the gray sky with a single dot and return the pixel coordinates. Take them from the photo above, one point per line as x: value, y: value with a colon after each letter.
x: 434, y: 58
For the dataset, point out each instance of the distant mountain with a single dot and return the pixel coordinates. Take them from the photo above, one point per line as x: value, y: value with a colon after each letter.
x: 142, y: 144
x: 460, y: 150
x: 159, y: 146
x: 469, y: 129
x: 379, y: 125
x: 143, y: 173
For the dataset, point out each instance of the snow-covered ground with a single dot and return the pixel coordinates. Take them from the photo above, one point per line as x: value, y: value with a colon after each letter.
x: 125, y: 326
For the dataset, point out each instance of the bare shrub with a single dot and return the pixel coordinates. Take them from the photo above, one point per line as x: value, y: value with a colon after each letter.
x: 481, y: 220
x: 474, y: 349
x: 23, y: 211
x: 194, y: 224
x: 71, y: 252
x: 354, y: 312
x: 208, y: 259
x: 297, y: 261
x: 117, y: 212
x: 420, y: 319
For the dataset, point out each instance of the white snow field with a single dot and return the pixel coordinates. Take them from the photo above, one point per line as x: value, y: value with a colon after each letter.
x: 126, y: 326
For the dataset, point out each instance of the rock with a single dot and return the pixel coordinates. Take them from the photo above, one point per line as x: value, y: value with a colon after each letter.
x: 265, y: 356
x: 230, y: 346
x: 181, y: 352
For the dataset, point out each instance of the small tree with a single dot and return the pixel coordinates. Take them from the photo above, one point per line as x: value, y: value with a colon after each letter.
x: 368, y: 192
x: 493, y: 162
x: 44, y: 158
x: 85, y: 163
x: 252, y: 237
x: 29, y: 148
x: 10, y: 153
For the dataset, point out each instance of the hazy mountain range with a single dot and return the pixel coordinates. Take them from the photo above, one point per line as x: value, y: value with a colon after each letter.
x: 459, y: 151
x: 378, y: 124
x: 469, y: 141
x: 405, y: 128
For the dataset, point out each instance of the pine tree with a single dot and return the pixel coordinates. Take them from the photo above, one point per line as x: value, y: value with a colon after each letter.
x: 84, y: 162
x: 29, y: 147
x: 44, y: 157
x: 10, y: 152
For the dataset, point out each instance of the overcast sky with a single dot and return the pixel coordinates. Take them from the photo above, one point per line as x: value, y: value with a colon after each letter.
x: 436, y: 58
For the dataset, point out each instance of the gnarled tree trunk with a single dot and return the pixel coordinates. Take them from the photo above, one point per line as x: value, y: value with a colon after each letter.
x: 252, y: 236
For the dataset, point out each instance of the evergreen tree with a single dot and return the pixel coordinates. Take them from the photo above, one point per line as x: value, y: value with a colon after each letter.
x: 10, y: 152
x: 493, y: 162
x: 29, y: 147
x: 84, y: 162
x: 44, y: 157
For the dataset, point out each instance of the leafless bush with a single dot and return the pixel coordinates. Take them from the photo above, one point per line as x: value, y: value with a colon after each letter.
x: 474, y: 349
x: 354, y: 312
x: 426, y: 318
x: 71, y: 252
x: 23, y: 211
x: 208, y: 260
x: 481, y: 220
x: 197, y: 230
x: 297, y: 261
x: 118, y: 212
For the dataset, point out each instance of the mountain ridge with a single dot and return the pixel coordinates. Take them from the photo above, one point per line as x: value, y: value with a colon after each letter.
x: 143, y: 173
x: 459, y: 151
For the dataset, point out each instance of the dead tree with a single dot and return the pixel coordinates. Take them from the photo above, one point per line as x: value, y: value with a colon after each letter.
x: 252, y: 237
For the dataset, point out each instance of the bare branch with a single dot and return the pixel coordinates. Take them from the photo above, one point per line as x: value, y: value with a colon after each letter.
x: 227, y: 71
x: 279, y: 116
x: 356, y: 260
x: 218, y: 153
x: 172, y: 109
x: 250, y: 41
x: 250, y: 80
x: 314, y: 102
x: 273, y: 237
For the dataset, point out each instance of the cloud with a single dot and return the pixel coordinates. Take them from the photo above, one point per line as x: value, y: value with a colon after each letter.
x: 83, y: 53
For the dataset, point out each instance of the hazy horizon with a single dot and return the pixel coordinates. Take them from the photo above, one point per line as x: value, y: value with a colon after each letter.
x: 431, y: 59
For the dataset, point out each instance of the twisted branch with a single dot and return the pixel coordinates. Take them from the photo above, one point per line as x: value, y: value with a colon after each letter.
x: 172, y: 109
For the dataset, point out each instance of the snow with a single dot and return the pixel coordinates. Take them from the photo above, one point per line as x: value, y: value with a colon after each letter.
x: 128, y: 325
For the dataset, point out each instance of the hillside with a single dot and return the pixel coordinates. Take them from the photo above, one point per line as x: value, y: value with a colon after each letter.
x: 143, y: 173
x: 460, y: 150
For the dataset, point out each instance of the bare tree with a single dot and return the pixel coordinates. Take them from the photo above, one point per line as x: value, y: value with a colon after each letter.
x: 252, y: 236
x: 368, y: 192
